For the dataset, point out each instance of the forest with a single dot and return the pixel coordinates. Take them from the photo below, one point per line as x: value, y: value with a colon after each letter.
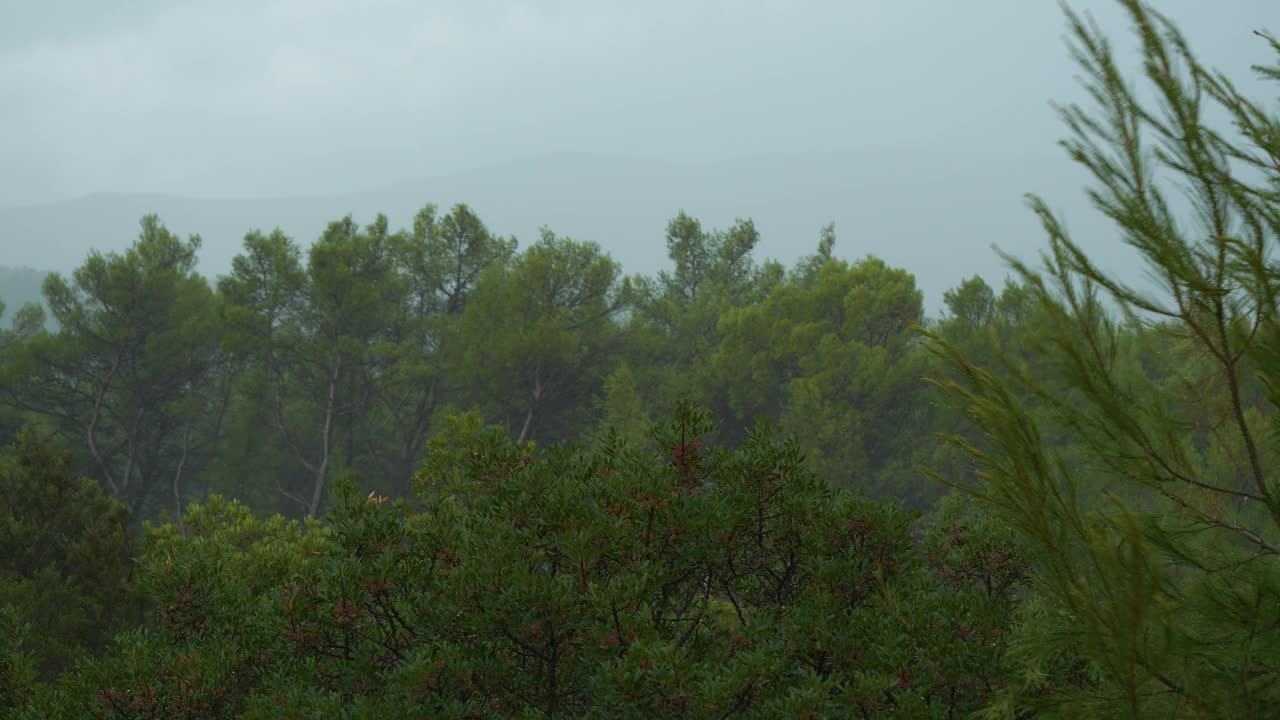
x: 435, y: 472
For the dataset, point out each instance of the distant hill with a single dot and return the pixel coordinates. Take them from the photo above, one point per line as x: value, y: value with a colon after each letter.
x: 935, y: 214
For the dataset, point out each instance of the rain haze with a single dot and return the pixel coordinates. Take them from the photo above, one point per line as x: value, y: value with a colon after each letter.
x: 914, y: 125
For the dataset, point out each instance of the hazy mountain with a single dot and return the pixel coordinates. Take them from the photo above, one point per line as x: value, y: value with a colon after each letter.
x: 935, y: 214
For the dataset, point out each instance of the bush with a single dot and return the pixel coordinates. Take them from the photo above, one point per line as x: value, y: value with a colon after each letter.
x: 65, y: 557
x: 694, y: 582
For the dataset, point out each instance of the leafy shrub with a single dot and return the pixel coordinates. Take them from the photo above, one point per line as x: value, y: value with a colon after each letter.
x: 65, y: 557
x: 691, y: 582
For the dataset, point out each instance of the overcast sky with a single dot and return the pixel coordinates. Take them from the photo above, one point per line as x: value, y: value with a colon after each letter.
x: 280, y: 97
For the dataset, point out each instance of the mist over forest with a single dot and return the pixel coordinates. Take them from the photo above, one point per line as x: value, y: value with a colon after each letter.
x: 735, y: 424
x: 887, y: 203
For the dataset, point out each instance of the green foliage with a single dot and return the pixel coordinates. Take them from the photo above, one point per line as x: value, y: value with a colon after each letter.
x: 439, y: 264
x: 17, y: 664
x: 688, y: 582
x: 1113, y: 553
x: 540, y: 327
x: 126, y: 373
x: 623, y: 407
x: 675, y: 327
x: 313, y: 333
x: 65, y: 559
x: 833, y: 360
x: 11, y: 419
x: 1155, y: 538
x: 306, y: 363
x: 345, y: 355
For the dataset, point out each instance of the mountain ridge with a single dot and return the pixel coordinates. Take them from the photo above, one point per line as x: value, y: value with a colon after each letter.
x: 935, y: 214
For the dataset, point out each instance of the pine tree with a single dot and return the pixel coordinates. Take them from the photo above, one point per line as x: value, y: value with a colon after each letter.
x: 1158, y: 554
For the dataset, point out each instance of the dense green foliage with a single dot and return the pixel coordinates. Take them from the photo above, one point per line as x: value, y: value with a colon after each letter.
x: 1157, y: 541
x: 686, y: 582
x: 65, y: 558
x: 461, y: 490
x: 299, y: 365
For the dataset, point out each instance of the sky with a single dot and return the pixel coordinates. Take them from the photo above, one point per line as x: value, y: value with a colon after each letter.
x: 265, y: 98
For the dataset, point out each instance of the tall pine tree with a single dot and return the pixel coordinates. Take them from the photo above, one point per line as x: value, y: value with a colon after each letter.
x: 1159, y: 555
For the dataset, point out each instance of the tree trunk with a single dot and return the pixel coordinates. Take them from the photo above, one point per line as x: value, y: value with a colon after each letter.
x: 177, y: 481
x: 91, y: 432
x: 538, y: 387
x: 322, y: 468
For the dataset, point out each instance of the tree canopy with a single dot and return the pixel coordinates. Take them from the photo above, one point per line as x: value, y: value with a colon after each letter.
x: 432, y: 472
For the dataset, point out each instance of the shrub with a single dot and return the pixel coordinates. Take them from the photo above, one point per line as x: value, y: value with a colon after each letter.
x: 691, y: 582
